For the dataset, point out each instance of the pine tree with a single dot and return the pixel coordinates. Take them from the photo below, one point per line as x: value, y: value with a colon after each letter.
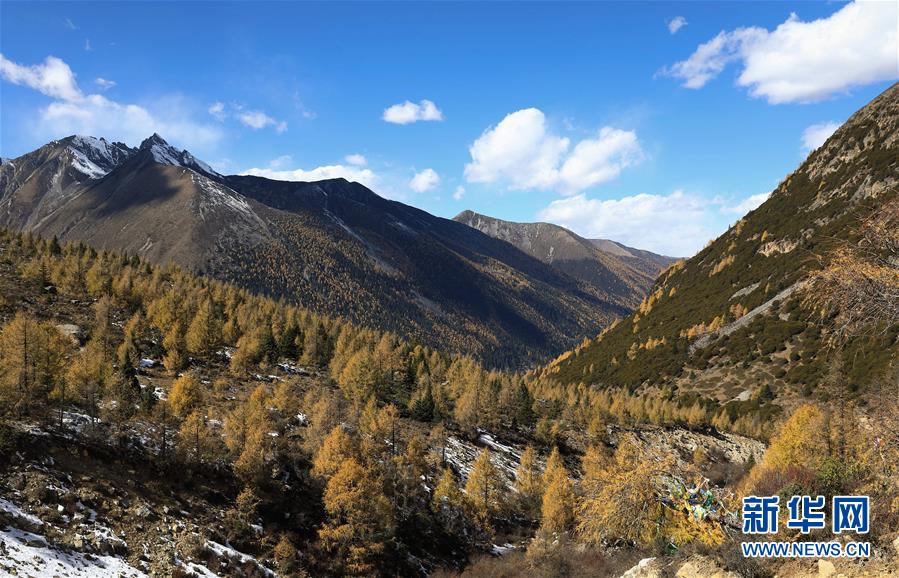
x: 529, y: 483
x: 88, y: 377
x: 186, y: 394
x: 196, y: 442
x: 485, y: 489
x: 450, y: 504
x: 619, y: 499
x: 558, y: 504
x: 361, y: 377
x: 359, y: 520
x: 175, y: 356
x: 31, y: 362
x: 411, y: 466
x: 337, y: 448
x: 123, y: 393
x: 250, y: 464
x: 205, y: 330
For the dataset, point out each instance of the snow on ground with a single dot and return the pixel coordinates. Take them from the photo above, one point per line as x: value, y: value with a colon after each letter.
x: 461, y: 454
x: 230, y: 553
x: 76, y: 421
x: 16, y: 512
x: 498, y: 550
x: 29, y: 555
x: 198, y: 569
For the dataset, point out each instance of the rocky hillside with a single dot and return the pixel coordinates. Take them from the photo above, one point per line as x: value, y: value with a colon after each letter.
x: 332, y: 246
x: 749, y: 309
x: 621, y: 273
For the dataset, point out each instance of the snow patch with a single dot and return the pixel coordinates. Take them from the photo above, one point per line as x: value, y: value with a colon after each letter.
x: 27, y: 554
x: 16, y: 512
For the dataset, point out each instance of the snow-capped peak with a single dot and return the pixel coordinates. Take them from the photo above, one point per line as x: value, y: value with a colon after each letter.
x: 165, y: 154
x: 95, y: 157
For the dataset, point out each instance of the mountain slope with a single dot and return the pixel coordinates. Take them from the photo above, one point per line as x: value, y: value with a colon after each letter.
x: 332, y: 246
x: 142, y: 201
x: 746, y: 311
x: 615, y: 272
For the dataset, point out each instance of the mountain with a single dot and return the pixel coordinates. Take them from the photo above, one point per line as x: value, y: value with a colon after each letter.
x: 332, y: 246
x: 153, y: 201
x: 618, y: 273
x: 774, y: 300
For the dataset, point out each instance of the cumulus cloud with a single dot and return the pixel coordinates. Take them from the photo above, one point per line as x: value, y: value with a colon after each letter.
x: 678, y: 224
x: 524, y: 153
x: 53, y: 78
x: 803, y: 61
x: 424, y: 181
x: 356, y: 160
x: 72, y: 111
x: 750, y: 203
x: 815, y: 135
x: 256, y: 119
x: 459, y: 193
x: 676, y: 24
x: 409, y: 112
x: 104, y: 83
x: 276, y: 171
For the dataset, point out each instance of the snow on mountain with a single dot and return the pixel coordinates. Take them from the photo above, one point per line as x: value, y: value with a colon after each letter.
x: 95, y: 157
x: 164, y: 153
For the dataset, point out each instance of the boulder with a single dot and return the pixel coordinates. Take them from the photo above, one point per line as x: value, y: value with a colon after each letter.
x: 703, y: 567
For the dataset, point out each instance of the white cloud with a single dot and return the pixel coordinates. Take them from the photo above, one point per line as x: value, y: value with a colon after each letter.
x: 99, y: 116
x: 815, y: 135
x: 424, y: 181
x: 750, y: 203
x: 356, y: 160
x: 366, y: 177
x: 459, y: 193
x: 72, y: 111
x: 522, y: 152
x: 53, y: 78
x: 280, y: 162
x: 677, y: 224
x: 87, y: 45
x: 409, y: 112
x: 803, y: 61
x: 103, y: 83
x: 69, y: 24
x: 676, y: 24
x: 217, y: 110
x: 599, y: 160
x: 256, y: 119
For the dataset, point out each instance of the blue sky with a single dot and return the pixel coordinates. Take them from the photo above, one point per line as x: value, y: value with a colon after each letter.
x: 608, y: 118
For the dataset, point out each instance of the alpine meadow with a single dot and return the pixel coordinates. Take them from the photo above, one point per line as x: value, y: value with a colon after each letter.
x: 445, y: 289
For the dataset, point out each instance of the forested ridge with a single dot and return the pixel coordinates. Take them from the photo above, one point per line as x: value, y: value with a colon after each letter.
x: 333, y: 247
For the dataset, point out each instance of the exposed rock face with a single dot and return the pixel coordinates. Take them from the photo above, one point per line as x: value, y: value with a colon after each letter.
x: 683, y: 442
x: 645, y: 568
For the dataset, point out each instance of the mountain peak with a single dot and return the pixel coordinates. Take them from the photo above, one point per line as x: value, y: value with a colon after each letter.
x: 165, y: 154
x: 153, y: 140
x: 96, y: 157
